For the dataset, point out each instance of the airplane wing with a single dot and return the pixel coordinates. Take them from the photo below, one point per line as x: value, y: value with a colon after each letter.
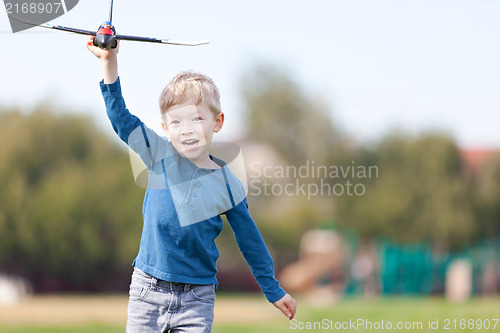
x: 68, y: 29
x: 181, y: 42
x: 164, y: 41
x: 50, y: 26
x: 124, y: 37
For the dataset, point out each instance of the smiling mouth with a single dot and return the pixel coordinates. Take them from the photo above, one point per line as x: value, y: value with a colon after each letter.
x: 190, y: 144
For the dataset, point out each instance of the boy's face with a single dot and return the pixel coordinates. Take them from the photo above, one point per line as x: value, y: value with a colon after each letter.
x: 190, y: 128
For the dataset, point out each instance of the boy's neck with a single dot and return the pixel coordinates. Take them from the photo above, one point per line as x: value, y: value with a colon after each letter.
x: 205, y: 162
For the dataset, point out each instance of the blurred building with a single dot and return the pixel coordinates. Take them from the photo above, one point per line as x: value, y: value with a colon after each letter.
x: 474, y: 158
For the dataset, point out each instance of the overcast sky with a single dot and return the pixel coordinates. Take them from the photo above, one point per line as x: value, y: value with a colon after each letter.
x: 381, y: 65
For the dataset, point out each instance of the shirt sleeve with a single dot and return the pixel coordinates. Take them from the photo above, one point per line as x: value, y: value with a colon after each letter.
x: 141, y: 139
x: 255, y: 251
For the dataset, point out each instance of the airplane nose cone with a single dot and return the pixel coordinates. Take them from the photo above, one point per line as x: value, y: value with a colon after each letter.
x: 105, y: 41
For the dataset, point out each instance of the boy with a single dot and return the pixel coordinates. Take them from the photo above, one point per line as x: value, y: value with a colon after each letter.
x: 173, y: 283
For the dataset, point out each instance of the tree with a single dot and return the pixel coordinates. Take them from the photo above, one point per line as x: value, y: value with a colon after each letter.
x: 69, y: 209
x: 421, y: 194
x: 300, y: 131
x: 281, y: 114
x: 487, y: 196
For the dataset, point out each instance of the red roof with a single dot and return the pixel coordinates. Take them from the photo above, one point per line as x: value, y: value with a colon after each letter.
x: 474, y: 158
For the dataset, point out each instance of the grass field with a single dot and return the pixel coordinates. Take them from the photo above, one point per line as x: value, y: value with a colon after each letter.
x: 246, y: 314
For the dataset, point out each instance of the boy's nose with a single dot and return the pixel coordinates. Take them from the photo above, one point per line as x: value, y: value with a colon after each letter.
x: 187, y: 129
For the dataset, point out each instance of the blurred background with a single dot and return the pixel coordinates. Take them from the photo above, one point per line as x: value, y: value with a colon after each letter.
x: 400, y: 99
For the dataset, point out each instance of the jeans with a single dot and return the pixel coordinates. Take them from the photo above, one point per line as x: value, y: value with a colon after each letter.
x: 162, y: 306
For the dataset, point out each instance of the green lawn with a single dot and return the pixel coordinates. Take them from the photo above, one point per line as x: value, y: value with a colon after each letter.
x: 245, y: 314
x: 383, y: 315
x: 67, y: 329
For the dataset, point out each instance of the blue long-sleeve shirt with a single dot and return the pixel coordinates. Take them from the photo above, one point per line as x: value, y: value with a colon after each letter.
x: 182, y: 208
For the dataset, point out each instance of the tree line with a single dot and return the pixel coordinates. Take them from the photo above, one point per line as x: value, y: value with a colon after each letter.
x: 422, y: 191
x: 70, y: 212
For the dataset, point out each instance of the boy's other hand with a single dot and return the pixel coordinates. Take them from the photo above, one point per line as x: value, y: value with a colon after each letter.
x: 288, y: 305
x: 100, y: 53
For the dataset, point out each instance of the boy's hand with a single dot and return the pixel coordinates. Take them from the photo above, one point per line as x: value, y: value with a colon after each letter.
x: 108, y: 59
x: 288, y: 305
x: 100, y: 53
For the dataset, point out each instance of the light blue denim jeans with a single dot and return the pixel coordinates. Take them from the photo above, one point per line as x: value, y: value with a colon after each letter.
x: 162, y: 306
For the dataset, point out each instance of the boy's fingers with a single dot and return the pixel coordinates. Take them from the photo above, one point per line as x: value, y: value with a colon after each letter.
x: 288, y: 306
x: 288, y: 314
x: 292, y: 308
x: 283, y: 308
x: 90, y: 42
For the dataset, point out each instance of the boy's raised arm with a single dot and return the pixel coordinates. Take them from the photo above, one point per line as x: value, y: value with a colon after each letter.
x: 128, y: 127
x: 108, y: 59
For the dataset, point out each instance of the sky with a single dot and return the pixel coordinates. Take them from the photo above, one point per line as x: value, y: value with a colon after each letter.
x: 406, y: 65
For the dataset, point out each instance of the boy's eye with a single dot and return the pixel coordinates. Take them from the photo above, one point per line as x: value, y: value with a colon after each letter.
x: 197, y: 119
x: 174, y: 122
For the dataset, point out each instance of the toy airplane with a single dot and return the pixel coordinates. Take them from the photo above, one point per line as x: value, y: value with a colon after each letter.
x: 106, y: 36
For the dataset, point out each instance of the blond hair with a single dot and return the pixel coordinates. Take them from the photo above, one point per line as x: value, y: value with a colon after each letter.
x: 188, y: 85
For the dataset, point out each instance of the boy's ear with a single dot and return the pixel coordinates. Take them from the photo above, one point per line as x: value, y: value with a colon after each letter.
x: 165, y: 129
x: 219, y: 121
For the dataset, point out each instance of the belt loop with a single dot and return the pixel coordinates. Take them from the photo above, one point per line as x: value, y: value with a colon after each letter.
x: 187, y: 286
x: 154, y: 282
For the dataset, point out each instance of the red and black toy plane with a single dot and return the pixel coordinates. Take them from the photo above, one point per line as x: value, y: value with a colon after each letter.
x: 106, y: 36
